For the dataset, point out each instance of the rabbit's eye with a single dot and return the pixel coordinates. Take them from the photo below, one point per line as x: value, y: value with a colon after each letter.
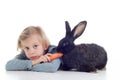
x: 65, y: 44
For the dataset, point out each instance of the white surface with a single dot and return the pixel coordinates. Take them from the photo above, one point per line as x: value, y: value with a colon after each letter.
x: 60, y: 75
x: 109, y: 74
x: 103, y: 28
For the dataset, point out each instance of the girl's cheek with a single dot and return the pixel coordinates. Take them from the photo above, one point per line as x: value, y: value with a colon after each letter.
x: 40, y: 53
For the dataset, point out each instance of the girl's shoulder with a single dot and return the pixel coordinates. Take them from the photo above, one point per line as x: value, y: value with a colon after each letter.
x: 22, y: 56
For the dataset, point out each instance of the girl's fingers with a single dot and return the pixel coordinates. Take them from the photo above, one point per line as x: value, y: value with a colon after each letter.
x: 44, y: 58
x: 48, y: 54
x: 47, y: 57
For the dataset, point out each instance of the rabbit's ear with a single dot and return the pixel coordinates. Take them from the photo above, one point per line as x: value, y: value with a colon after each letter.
x: 79, y: 29
x: 68, y: 29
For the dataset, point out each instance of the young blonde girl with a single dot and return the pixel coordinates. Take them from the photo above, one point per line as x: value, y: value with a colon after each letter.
x: 35, y: 51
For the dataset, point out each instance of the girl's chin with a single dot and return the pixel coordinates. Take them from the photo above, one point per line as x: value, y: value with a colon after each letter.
x: 34, y: 57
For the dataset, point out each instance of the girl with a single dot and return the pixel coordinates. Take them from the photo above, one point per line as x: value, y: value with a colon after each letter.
x: 35, y: 51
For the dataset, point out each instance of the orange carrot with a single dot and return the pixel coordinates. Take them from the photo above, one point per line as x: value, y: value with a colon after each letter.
x: 55, y: 56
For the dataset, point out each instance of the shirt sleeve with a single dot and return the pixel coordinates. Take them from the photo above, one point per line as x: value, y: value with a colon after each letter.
x: 18, y: 64
x: 52, y: 66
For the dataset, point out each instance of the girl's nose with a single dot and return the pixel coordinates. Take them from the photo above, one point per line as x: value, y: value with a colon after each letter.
x: 32, y: 51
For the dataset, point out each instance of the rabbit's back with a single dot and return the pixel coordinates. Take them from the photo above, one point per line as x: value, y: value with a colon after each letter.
x: 93, y: 53
x: 86, y: 55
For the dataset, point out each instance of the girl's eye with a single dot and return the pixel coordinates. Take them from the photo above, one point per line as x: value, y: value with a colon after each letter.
x: 26, y: 48
x: 35, y: 46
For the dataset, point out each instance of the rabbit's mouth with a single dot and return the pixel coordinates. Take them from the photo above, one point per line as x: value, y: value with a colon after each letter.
x: 63, y: 50
x: 59, y: 49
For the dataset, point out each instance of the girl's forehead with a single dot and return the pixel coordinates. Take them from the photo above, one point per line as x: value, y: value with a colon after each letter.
x: 32, y: 40
x: 33, y: 37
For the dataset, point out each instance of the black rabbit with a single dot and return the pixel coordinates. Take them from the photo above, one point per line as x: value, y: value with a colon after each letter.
x: 81, y: 57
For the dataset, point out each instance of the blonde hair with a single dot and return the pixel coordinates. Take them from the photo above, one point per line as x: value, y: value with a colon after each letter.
x: 27, y: 32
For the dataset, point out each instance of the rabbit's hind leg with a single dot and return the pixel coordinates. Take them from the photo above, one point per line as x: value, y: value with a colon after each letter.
x: 65, y: 68
x: 86, y: 69
x: 101, y: 67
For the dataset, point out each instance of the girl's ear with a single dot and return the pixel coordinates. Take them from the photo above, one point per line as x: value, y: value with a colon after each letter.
x: 79, y: 29
x: 68, y: 29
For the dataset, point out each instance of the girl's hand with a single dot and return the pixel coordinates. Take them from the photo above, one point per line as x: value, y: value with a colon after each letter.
x: 42, y: 59
x: 47, y: 55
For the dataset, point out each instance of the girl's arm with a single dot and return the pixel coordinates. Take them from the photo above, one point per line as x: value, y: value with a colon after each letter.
x: 25, y: 65
x: 52, y: 66
x: 18, y: 64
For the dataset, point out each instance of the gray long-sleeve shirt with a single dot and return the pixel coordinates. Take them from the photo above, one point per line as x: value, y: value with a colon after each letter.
x: 21, y: 62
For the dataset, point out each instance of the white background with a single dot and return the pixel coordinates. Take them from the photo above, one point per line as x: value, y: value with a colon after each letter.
x: 103, y: 17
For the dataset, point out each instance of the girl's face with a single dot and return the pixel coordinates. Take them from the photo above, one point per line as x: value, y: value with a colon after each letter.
x: 32, y: 47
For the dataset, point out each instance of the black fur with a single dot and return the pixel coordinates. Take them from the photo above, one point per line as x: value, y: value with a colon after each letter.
x: 82, y: 57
